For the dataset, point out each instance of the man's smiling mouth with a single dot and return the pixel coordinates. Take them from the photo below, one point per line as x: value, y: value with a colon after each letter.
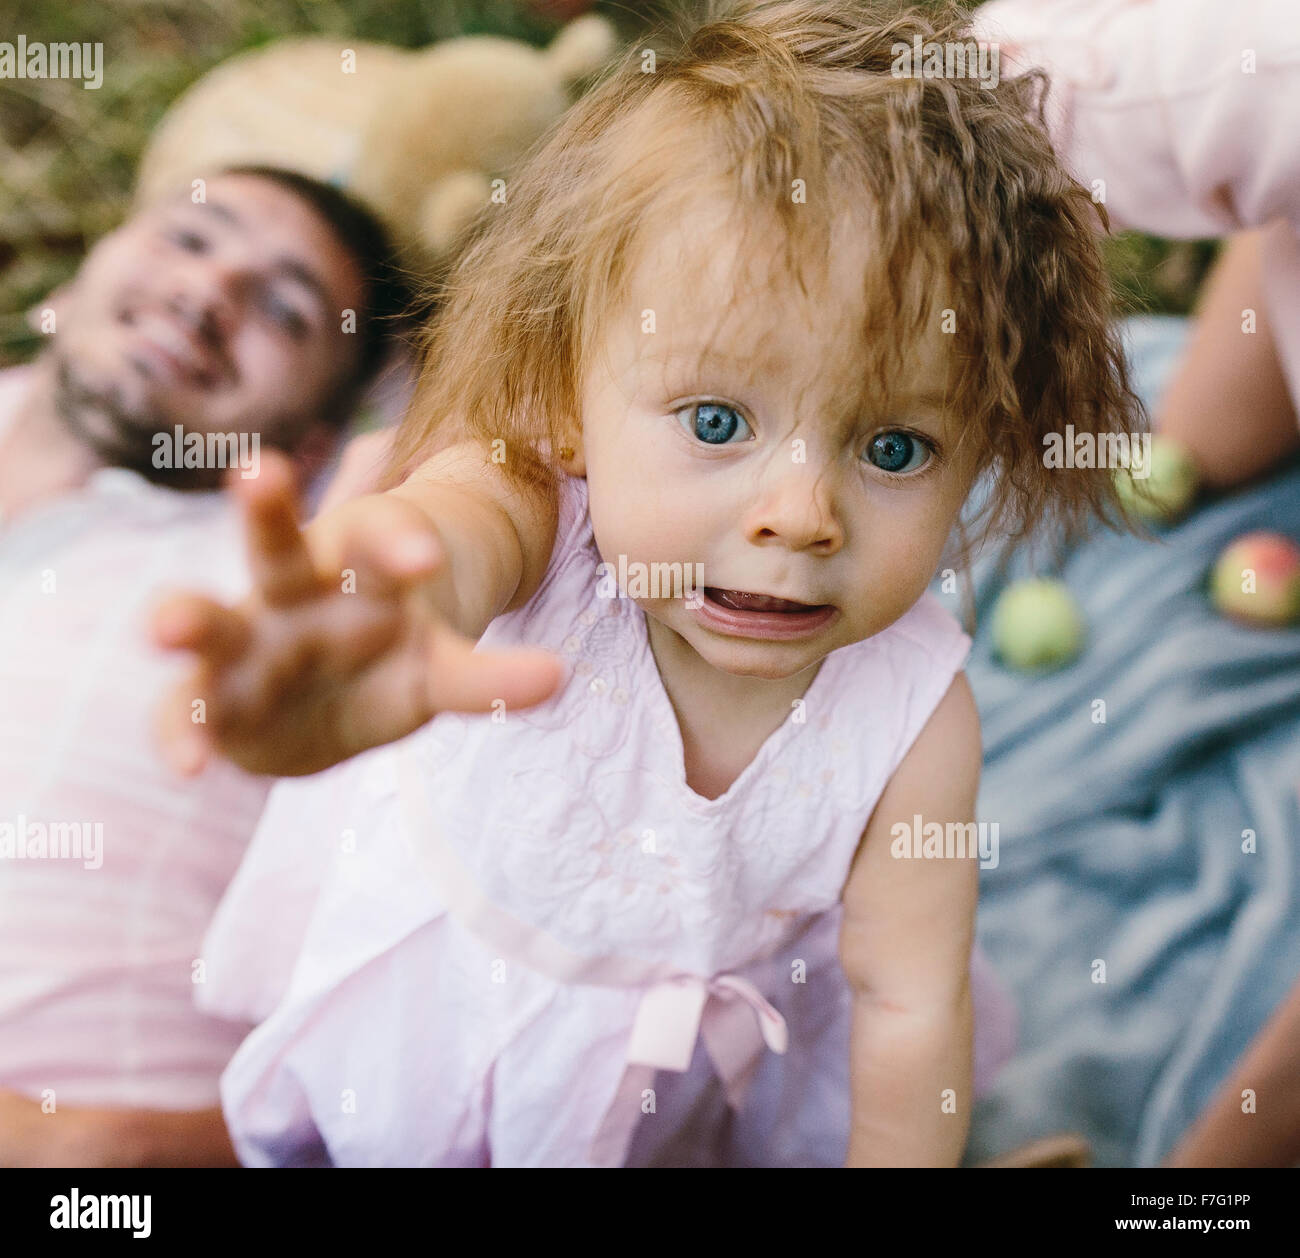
x: 166, y: 350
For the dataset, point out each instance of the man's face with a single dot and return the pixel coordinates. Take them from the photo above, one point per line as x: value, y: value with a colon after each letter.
x: 225, y: 316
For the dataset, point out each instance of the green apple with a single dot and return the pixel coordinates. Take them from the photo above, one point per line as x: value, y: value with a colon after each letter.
x: 1037, y: 625
x: 1164, y: 485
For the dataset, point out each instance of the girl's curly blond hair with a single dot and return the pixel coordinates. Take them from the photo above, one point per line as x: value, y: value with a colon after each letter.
x: 955, y: 184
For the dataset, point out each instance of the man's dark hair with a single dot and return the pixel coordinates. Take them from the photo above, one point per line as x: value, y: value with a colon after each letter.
x: 389, y: 305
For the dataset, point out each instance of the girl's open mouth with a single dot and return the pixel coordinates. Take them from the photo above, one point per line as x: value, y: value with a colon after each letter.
x: 741, y: 613
x: 739, y: 600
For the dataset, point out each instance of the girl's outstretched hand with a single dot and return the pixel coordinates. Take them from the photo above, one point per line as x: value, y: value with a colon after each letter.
x: 339, y: 648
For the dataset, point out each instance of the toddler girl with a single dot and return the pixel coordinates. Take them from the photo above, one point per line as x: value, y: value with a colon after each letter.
x: 704, y: 400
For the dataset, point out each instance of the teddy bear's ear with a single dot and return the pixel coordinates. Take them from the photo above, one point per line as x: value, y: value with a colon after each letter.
x: 581, y: 48
x: 449, y: 207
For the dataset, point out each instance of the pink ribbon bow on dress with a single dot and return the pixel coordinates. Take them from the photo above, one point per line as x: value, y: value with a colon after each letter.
x: 732, y: 1017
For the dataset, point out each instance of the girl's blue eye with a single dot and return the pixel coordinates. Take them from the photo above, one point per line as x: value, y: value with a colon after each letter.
x: 713, y: 422
x: 898, y: 452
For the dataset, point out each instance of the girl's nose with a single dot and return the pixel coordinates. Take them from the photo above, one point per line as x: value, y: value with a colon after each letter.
x: 799, y: 510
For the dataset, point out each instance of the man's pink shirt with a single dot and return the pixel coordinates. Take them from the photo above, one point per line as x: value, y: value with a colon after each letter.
x: 100, y: 954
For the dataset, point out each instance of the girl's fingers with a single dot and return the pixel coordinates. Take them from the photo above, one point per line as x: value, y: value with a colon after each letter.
x: 193, y: 622
x: 464, y: 680
x: 397, y: 696
x: 277, y: 554
x: 404, y: 689
x: 182, y: 737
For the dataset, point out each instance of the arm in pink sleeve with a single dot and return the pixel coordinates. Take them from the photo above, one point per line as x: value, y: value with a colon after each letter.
x: 1188, y: 110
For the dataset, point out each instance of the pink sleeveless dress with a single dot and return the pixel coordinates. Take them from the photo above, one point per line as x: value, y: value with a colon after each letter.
x: 521, y: 939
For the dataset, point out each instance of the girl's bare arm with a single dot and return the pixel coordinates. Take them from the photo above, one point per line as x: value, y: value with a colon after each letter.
x: 498, y: 536
x: 905, y: 945
x: 1228, y: 401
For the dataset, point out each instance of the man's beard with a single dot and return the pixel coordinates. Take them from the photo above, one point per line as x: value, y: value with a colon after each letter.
x: 118, y: 434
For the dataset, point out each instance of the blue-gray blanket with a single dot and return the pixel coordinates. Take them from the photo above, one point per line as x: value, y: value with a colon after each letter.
x: 1122, y: 842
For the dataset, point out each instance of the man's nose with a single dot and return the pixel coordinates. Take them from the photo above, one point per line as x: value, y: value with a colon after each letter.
x: 799, y: 508
x: 206, y: 294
